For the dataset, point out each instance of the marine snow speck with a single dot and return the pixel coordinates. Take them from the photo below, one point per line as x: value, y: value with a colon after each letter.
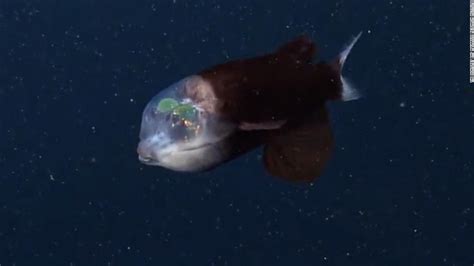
x: 276, y: 100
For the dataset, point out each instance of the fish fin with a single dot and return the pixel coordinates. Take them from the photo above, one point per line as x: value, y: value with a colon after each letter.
x: 348, y: 92
x: 262, y: 126
x: 299, y: 152
x: 301, y: 49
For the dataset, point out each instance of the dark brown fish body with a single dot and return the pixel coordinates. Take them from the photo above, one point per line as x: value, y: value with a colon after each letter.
x: 276, y: 86
x: 276, y: 100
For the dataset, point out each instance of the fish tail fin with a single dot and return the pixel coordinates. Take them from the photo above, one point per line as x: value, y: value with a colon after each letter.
x: 348, y: 91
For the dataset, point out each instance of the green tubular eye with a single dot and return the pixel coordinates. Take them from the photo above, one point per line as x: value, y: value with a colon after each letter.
x: 167, y: 105
x: 185, y: 111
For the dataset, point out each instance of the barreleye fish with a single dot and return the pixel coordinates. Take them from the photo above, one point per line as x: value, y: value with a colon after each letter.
x: 276, y: 100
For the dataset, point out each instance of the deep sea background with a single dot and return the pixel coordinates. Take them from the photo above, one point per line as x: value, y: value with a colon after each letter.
x: 76, y: 75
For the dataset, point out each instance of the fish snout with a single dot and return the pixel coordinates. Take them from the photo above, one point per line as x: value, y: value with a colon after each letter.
x: 144, y: 151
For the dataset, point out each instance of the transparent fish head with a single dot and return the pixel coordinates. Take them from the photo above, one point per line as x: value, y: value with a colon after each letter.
x: 178, y: 122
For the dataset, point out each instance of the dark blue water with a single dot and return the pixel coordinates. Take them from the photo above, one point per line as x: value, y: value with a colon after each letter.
x: 75, y: 76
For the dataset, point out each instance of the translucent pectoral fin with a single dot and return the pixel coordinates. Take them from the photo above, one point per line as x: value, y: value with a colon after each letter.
x: 300, y: 152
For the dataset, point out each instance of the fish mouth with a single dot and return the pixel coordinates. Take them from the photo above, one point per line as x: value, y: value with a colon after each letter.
x: 154, y: 162
x: 144, y: 159
x: 148, y: 161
